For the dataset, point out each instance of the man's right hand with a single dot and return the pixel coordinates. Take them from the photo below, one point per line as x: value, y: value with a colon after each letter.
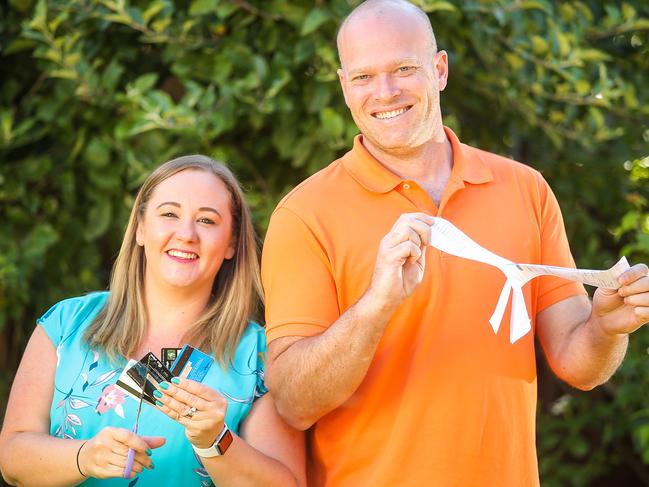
x: 401, y: 260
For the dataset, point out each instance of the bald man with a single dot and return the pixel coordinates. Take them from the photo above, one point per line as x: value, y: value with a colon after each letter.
x: 379, y: 343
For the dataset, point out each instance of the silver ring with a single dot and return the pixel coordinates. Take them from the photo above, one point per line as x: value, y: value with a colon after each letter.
x: 190, y: 412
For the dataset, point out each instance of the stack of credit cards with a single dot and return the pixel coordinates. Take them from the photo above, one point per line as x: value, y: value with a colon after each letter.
x: 186, y: 362
x: 192, y: 364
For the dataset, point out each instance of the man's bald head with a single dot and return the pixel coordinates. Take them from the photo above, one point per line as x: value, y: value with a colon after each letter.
x: 385, y: 9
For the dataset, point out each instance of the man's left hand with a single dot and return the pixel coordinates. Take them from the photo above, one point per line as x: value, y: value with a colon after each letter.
x: 626, y: 309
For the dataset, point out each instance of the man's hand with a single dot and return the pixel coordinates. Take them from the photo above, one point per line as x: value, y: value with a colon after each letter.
x: 401, y: 259
x: 627, y: 309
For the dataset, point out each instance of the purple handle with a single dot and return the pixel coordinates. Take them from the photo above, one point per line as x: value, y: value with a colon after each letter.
x: 130, y: 458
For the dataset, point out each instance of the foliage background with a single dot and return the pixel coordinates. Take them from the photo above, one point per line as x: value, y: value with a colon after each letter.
x: 94, y: 94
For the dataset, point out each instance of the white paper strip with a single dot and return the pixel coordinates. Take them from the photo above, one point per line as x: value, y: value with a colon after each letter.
x: 448, y: 238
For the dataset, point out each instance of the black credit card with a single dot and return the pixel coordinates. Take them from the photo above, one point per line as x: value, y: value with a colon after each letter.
x: 157, y: 373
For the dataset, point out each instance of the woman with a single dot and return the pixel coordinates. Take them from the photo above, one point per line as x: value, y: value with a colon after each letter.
x: 187, y: 272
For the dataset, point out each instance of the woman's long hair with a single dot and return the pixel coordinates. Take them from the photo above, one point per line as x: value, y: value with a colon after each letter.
x: 236, y: 293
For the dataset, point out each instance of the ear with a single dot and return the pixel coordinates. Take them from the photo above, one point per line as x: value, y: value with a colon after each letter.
x: 440, y: 61
x: 139, y: 234
x: 341, y: 79
x: 229, y: 253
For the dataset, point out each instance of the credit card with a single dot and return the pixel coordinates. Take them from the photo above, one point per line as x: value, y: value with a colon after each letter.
x: 131, y: 386
x: 192, y: 364
x: 168, y: 356
x: 157, y: 369
x: 157, y: 373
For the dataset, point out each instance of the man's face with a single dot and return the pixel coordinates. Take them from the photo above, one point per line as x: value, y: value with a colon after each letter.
x: 391, y: 80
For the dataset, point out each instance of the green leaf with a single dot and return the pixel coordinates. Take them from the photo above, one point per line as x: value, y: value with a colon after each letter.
x: 314, y: 20
x: 202, y: 7
x: 98, y: 220
x: 154, y: 9
x: 97, y: 153
x: 38, y: 241
x: 434, y: 6
x: 145, y: 82
x: 332, y: 122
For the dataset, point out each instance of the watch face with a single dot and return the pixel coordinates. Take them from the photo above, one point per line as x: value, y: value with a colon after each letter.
x: 225, y: 442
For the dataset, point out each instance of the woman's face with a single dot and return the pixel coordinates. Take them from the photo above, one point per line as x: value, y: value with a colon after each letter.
x: 186, y: 231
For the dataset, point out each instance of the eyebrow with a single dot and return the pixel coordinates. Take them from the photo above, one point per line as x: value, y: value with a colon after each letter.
x: 177, y: 205
x: 398, y: 62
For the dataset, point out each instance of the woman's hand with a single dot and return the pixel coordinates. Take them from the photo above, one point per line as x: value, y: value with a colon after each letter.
x: 199, y: 408
x: 105, y: 455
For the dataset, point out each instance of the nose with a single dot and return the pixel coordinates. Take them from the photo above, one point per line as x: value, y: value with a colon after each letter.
x: 387, y: 87
x: 186, y: 230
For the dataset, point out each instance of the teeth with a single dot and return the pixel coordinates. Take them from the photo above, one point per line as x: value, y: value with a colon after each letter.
x: 183, y: 255
x: 390, y: 114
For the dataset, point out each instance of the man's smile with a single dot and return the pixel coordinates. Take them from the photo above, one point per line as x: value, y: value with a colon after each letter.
x: 391, y: 113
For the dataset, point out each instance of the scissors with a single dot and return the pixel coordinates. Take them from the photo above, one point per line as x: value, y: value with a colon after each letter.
x: 143, y: 371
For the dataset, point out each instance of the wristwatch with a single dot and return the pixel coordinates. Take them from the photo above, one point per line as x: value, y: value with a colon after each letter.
x: 219, y: 447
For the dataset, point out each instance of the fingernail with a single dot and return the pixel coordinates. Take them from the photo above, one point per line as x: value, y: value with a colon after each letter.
x: 164, y: 385
x: 149, y: 452
x: 159, y: 404
x: 157, y: 393
x: 151, y: 467
x: 175, y: 380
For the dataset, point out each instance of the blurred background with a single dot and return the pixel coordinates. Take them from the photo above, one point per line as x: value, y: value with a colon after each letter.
x: 94, y: 94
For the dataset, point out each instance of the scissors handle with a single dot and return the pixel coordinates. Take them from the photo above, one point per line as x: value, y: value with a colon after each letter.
x: 130, y: 457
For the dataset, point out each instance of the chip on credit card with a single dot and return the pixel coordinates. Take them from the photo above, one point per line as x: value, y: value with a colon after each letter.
x: 168, y: 356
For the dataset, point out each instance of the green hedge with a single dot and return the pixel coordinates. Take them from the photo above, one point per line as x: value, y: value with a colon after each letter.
x: 96, y: 93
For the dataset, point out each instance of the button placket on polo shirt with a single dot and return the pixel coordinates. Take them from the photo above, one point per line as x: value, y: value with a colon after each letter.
x: 417, y: 196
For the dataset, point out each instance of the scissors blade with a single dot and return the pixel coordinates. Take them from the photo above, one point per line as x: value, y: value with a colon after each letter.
x: 143, y: 372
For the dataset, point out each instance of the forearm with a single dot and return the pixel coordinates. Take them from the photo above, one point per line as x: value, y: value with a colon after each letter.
x: 317, y: 374
x: 41, y: 460
x: 244, y: 466
x: 590, y: 356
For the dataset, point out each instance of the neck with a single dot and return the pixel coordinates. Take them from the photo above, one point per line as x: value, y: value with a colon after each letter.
x: 170, y: 311
x: 429, y: 165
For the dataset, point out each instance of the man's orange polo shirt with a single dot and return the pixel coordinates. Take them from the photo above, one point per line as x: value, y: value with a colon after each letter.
x: 446, y: 402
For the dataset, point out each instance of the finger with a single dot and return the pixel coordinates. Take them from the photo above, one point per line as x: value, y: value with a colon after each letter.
x: 424, y: 218
x: 403, y: 234
x: 173, y: 408
x: 130, y: 440
x: 420, y: 228
x: 637, y: 299
x: 197, y: 398
x: 642, y: 312
x: 154, y: 441
x: 116, y: 460
x: 634, y: 273
x: 638, y: 286
x: 406, y: 251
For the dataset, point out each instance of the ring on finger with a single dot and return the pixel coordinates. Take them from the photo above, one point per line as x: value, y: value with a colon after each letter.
x: 190, y: 412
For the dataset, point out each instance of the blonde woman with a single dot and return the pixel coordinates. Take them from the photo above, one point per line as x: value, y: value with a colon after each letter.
x: 187, y: 272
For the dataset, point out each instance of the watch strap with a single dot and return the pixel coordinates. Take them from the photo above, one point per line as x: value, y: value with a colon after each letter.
x: 220, y: 445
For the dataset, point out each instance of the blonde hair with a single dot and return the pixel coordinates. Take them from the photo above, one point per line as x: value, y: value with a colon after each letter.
x: 236, y: 293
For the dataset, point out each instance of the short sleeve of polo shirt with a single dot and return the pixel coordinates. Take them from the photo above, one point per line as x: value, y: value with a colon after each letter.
x: 300, y: 292
x: 555, y: 250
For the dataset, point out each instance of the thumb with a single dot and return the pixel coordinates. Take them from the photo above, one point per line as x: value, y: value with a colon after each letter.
x: 154, y: 441
x: 606, y: 300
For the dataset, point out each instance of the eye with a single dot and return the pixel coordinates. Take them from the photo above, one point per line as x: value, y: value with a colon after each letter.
x: 206, y: 221
x: 405, y: 69
x: 361, y: 77
x: 168, y: 214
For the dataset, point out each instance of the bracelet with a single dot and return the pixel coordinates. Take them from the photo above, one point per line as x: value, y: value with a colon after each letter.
x: 79, y: 451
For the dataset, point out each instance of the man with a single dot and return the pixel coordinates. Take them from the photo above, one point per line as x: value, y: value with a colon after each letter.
x: 380, y: 343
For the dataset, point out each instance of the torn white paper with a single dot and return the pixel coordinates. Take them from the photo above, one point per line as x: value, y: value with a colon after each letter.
x: 448, y: 238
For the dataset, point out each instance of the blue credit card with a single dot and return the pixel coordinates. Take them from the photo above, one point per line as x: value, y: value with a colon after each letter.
x: 192, y: 364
